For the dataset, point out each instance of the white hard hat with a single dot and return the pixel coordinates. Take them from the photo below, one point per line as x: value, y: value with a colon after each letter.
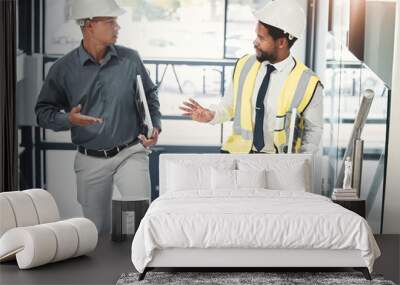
x: 84, y: 9
x: 286, y: 15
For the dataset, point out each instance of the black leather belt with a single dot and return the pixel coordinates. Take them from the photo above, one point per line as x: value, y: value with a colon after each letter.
x: 105, y: 153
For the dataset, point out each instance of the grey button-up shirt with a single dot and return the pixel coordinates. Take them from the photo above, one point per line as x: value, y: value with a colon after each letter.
x: 106, y: 90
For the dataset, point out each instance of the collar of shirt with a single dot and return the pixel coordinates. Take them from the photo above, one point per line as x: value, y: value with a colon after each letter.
x: 282, y: 65
x: 84, y: 56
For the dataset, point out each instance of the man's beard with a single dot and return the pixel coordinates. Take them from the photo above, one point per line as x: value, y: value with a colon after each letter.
x: 263, y: 56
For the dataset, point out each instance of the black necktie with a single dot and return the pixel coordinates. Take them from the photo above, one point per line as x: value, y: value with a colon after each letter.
x: 258, y: 137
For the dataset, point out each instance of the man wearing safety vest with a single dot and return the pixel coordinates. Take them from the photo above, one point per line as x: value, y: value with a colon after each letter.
x: 266, y: 87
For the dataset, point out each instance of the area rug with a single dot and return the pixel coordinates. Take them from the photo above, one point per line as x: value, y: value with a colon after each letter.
x: 244, y: 278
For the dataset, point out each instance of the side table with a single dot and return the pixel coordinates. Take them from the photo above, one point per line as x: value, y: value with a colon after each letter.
x: 357, y: 205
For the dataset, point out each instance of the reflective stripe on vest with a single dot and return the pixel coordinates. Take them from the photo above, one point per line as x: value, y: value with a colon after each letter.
x: 248, y: 69
x: 297, y: 92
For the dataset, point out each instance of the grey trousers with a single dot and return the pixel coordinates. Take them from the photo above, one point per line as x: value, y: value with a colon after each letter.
x: 95, y: 178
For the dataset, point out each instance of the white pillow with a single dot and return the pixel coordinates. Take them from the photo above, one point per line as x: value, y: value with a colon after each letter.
x: 292, y: 180
x: 183, y: 178
x: 282, y: 174
x: 251, y: 178
x: 188, y: 175
x: 223, y: 179
x: 237, y: 179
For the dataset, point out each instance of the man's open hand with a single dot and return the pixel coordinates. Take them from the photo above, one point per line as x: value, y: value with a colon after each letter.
x: 196, y: 111
x: 76, y: 118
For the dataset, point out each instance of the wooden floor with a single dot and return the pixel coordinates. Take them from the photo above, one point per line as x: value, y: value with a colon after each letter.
x: 110, y: 260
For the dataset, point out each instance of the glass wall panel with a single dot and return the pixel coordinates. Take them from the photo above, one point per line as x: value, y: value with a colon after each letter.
x: 185, y: 132
x: 346, y: 78
x: 52, y: 136
x: 171, y: 28
x: 61, y: 34
x: 179, y: 83
x: 174, y: 28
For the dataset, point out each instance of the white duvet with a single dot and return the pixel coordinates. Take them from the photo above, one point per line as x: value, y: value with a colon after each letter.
x: 253, y: 218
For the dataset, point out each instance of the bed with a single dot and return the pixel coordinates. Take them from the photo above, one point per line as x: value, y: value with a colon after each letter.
x: 246, y: 211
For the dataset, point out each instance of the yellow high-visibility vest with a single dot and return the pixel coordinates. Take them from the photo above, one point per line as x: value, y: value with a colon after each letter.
x: 297, y: 92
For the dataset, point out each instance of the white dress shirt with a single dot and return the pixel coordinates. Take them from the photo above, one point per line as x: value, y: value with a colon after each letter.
x: 313, y: 115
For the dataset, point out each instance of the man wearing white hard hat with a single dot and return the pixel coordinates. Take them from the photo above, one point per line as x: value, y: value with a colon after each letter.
x: 92, y: 91
x: 265, y: 89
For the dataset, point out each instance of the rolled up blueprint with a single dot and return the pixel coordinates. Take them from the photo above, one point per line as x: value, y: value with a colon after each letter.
x: 358, y: 126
